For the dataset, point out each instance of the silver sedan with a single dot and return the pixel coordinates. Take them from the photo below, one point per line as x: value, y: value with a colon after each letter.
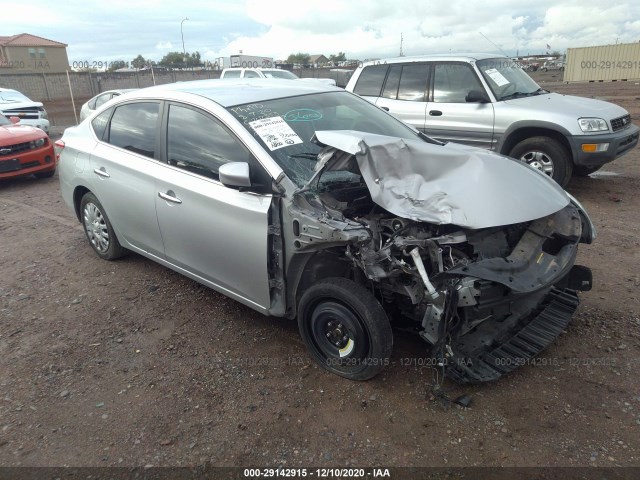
x: 304, y: 201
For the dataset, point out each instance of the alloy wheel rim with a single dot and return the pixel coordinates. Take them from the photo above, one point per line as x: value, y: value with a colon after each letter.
x: 540, y: 161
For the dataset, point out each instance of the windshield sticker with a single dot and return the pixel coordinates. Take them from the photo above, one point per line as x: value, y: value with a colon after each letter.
x: 302, y: 115
x: 253, y: 111
x: 275, y: 132
x: 497, y: 77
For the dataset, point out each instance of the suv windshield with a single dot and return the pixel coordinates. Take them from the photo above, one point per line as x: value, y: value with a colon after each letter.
x: 507, y: 80
x: 286, y: 126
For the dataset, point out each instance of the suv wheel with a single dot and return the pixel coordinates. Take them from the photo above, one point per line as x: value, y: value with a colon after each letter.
x: 547, y: 155
x: 345, y: 328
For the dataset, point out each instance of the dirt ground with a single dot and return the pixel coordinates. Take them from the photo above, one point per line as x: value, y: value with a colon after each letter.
x: 127, y: 363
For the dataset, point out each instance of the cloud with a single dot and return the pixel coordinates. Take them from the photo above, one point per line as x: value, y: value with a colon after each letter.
x: 164, y: 46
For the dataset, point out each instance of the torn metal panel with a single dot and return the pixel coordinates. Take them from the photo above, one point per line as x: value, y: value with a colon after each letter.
x: 449, y: 184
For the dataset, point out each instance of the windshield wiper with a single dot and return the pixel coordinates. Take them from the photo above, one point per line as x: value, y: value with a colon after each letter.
x: 541, y: 91
x: 307, y: 155
x: 517, y: 95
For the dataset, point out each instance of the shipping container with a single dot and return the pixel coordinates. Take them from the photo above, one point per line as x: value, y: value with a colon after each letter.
x: 603, y: 63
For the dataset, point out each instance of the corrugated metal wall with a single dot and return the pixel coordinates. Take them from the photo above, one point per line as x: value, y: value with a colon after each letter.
x: 603, y: 63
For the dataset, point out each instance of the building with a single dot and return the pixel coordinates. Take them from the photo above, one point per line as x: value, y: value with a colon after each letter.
x: 26, y: 53
x: 318, y: 60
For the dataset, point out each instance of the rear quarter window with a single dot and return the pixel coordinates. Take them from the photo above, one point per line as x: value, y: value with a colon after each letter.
x: 370, y: 81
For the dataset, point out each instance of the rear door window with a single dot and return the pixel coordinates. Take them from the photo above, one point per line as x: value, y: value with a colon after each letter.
x: 393, y: 80
x: 413, y: 82
x: 134, y: 126
x: 371, y: 79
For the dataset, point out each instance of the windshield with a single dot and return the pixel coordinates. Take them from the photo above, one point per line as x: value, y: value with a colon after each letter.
x: 12, y: 97
x: 286, y: 126
x: 279, y: 74
x: 507, y: 80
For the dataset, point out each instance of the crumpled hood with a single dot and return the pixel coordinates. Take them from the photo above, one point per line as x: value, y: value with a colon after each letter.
x: 450, y: 184
x: 18, y: 105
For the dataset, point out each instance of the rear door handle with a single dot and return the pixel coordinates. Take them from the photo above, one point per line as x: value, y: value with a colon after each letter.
x: 435, y: 113
x: 386, y: 109
x: 169, y: 197
x: 101, y: 171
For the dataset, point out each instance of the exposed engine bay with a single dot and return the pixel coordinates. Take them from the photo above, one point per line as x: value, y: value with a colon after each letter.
x: 484, y: 299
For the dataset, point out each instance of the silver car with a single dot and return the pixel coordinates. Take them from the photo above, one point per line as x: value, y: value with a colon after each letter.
x: 490, y: 102
x: 96, y: 102
x: 305, y: 201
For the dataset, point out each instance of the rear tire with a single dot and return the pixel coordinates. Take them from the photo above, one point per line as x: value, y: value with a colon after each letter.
x: 345, y: 328
x: 98, y: 229
x: 547, y: 155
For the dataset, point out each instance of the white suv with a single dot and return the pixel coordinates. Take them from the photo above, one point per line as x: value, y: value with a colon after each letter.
x: 487, y: 101
x: 15, y: 104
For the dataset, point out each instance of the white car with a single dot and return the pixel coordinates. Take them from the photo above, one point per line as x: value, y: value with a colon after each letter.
x: 269, y: 73
x: 90, y: 106
x: 15, y: 104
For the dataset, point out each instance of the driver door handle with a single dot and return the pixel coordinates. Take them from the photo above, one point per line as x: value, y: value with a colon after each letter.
x: 435, y: 113
x: 169, y: 196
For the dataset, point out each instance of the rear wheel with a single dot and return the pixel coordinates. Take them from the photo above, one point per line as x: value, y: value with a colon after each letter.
x: 547, y: 155
x: 345, y: 328
x: 98, y: 229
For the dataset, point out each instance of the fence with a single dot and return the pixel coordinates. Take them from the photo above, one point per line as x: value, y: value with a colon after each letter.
x: 55, y: 86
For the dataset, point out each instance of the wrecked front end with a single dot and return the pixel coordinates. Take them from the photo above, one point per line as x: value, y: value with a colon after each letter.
x: 454, y: 252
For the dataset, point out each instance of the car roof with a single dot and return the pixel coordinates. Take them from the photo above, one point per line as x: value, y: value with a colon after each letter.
x: 465, y: 57
x: 229, y: 92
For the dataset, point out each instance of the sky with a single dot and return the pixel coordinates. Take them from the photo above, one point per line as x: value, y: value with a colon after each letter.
x: 122, y: 29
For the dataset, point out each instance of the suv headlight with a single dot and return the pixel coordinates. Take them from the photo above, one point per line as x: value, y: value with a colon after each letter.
x: 593, y: 125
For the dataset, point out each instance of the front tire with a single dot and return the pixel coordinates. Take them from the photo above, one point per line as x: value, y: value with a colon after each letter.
x: 98, y: 229
x: 547, y: 155
x: 345, y: 328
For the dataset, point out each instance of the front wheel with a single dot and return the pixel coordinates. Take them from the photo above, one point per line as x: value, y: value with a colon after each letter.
x: 98, y: 229
x: 345, y: 328
x: 547, y: 155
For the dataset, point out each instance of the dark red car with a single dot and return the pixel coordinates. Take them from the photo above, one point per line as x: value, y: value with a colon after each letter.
x: 25, y: 150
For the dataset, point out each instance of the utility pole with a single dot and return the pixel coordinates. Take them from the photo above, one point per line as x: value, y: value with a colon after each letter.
x: 184, y: 52
x: 401, y: 54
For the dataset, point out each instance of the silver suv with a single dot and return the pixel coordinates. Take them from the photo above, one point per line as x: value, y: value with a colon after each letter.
x: 487, y: 101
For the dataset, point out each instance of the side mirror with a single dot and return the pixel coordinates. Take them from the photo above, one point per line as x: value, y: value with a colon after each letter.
x: 477, y: 96
x: 15, y: 120
x: 235, y: 174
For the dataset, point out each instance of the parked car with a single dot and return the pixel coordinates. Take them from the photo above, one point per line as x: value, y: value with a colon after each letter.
x: 15, y: 104
x: 489, y: 102
x: 553, y: 65
x: 234, y: 72
x: 305, y: 201
x: 24, y: 150
x: 90, y: 106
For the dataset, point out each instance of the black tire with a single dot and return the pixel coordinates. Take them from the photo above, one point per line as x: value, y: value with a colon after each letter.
x: 98, y: 229
x: 544, y: 69
x: 540, y: 152
x: 45, y: 174
x: 582, y: 171
x: 345, y: 328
